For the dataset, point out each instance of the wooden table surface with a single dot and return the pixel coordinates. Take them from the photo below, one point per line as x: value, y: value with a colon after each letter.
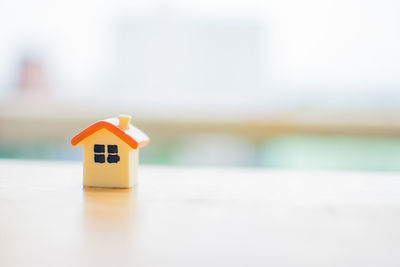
x: 198, y: 217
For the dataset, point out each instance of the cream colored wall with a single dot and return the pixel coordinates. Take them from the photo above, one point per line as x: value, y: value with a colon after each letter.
x: 121, y: 174
x: 134, y: 166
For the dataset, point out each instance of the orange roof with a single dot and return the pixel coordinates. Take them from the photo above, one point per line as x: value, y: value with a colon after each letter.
x: 134, y: 137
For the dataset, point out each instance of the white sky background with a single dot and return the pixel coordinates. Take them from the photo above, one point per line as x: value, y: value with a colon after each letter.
x: 344, y: 42
x: 312, y: 45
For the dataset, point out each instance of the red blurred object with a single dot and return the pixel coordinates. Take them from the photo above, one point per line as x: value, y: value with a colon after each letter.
x: 32, y: 75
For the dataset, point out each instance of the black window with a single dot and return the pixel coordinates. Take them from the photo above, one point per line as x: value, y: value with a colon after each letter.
x: 99, y: 158
x: 112, y: 158
x: 99, y: 148
x: 112, y: 154
x: 100, y: 155
x: 112, y: 149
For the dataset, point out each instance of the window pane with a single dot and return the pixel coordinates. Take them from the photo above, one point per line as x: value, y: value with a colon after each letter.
x: 112, y: 158
x: 112, y: 149
x: 99, y: 148
x: 99, y: 158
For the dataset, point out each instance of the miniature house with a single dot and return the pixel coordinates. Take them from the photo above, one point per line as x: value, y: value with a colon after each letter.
x: 111, y: 152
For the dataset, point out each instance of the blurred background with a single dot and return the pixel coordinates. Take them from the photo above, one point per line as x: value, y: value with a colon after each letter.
x: 279, y: 84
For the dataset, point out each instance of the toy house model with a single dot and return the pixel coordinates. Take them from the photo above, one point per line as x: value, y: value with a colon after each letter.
x: 111, y: 152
